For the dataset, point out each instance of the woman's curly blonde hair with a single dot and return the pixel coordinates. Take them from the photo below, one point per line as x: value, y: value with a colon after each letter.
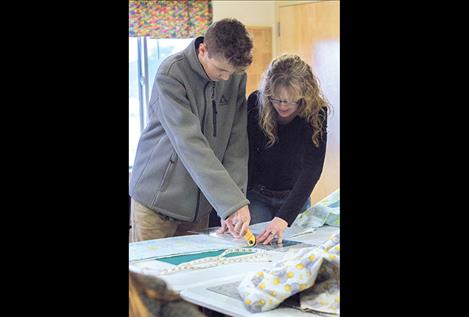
x: 292, y: 73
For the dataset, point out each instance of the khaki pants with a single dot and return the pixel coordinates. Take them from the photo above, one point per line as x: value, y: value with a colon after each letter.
x: 148, y: 225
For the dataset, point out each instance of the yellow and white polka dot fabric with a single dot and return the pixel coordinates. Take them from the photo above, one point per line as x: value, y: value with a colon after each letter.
x: 313, y: 270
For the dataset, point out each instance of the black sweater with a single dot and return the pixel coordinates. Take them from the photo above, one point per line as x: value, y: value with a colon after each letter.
x: 293, y: 163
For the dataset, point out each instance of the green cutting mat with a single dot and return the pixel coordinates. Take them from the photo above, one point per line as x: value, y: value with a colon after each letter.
x: 178, y: 259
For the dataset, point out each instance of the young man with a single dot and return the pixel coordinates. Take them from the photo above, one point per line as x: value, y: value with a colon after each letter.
x: 193, y: 154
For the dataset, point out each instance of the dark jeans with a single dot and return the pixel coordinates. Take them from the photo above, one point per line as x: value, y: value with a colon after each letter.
x: 264, y: 206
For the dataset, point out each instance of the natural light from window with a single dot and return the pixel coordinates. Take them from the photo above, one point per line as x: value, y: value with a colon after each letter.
x: 148, y: 54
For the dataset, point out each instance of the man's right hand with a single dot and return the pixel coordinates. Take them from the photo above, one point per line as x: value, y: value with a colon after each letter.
x: 237, y: 223
x: 223, y: 227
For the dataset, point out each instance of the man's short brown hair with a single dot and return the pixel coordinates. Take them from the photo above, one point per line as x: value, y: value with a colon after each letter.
x: 228, y: 38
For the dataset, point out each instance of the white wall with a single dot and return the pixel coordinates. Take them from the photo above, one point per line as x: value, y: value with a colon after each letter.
x: 250, y: 13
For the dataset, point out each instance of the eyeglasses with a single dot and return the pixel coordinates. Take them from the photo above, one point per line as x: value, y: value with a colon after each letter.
x: 285, y: 102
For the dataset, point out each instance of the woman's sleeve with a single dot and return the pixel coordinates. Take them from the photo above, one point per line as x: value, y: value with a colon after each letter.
x: 313, y: 163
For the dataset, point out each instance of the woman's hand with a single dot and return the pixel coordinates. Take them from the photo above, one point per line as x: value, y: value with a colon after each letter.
x: 274, y: 228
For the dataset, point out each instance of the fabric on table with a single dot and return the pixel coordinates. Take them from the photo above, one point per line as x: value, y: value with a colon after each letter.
x: 325, y: 212
x: 314, y: 269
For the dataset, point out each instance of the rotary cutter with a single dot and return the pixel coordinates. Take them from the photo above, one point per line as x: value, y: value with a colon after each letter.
x: 250, y: 238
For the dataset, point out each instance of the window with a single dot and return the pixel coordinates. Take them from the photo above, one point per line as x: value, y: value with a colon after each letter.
x: 145, y: 56
x: 134, y: 111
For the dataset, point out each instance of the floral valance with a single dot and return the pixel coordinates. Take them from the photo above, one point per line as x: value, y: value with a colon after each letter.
x: 169, y: 19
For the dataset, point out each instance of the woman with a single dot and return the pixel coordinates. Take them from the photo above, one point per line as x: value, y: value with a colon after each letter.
x: 287, y: 121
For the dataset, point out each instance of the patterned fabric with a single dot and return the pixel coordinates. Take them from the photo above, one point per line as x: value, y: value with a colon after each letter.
x: 157, y: 297
x: 327, y: 211
x: 169, y: 19
x: 315, y: 269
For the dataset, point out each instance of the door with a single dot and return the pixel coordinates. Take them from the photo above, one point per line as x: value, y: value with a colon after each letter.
x: 312, y: 32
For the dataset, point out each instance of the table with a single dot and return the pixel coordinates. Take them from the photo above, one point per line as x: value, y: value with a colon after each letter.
x: 197, y: 286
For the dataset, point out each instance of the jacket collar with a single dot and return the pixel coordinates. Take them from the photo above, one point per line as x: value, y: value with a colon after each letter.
x: 191, y: 53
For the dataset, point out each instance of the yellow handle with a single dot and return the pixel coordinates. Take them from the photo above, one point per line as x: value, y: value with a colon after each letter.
x: 250, y: 238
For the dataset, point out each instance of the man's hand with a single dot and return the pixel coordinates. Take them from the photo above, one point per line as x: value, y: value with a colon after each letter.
x: 237, y: 223
x: 223, y: 228
x: 275, y: 228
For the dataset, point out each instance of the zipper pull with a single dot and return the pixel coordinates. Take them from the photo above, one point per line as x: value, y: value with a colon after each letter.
x: 214, y: 106
x: 215, y: 112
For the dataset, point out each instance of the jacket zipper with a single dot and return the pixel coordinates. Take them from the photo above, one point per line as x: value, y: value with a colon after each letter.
x: 205, y: 110
x: 168, y: 172
x: 203, y: 132
x: 215, y: 112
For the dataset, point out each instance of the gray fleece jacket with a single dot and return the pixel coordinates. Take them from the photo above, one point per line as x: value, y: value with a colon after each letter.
x: 193, y: 153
